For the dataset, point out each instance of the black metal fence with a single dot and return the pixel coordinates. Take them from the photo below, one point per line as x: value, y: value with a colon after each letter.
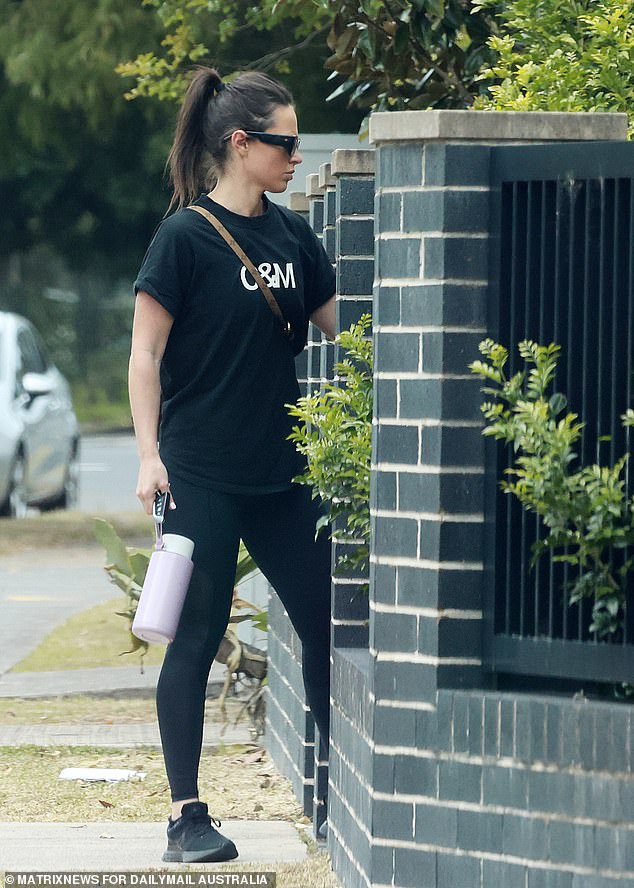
x: 563, y: 234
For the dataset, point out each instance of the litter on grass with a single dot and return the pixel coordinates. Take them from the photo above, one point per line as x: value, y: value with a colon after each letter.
x: 105, y: 775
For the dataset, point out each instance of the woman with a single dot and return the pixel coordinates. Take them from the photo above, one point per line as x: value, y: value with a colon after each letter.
x: 206, y: 342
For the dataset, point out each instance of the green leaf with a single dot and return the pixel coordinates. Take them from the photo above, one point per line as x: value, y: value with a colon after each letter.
x: 261, y: 621
x: 116, y: 552
x: 245, y: 567
x: 401, y: 38
x: 557, y: 403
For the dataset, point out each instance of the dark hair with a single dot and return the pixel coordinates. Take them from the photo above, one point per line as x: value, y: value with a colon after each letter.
x: 210, y: 111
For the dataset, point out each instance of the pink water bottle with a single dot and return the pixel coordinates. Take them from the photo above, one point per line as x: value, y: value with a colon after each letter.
x: 166, y: 582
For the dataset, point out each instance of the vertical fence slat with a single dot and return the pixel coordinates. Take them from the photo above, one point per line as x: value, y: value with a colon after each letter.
x: 567, y: 276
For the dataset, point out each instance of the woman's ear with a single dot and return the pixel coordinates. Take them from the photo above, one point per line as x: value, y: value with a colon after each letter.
x: 240, y: 141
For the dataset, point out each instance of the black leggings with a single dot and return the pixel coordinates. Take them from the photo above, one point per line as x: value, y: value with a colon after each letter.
x: 279, y: 532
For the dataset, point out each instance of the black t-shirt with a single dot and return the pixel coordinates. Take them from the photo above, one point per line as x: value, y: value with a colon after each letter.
x: 228, y: 371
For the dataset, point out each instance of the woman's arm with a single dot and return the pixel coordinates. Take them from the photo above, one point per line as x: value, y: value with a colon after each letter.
x: 150, y: 330
x: 324, y: 318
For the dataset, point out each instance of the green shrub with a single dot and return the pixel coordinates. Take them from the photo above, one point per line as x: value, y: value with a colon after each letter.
x: 586, y: 512
x: 560, y: 55
x: 335, y: 435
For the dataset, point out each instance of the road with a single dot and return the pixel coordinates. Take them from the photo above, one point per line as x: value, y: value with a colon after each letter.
x: 108, y: 472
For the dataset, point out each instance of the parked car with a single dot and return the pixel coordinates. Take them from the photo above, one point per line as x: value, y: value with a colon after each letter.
x: 39, y: 433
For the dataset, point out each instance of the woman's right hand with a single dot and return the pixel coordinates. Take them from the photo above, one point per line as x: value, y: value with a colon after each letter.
x: 152, y: 478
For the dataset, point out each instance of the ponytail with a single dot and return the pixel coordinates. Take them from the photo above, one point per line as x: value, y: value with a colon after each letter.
x: 210, y: 111
x: 186, y: 157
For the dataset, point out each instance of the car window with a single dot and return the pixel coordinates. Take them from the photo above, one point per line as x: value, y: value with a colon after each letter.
x: 31, y: 354
x: 41, y: 348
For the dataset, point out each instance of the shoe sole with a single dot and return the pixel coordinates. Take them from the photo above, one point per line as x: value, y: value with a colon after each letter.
x: 198, y: 856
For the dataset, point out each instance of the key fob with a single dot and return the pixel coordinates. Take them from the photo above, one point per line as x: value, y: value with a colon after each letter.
x: 161, y: 502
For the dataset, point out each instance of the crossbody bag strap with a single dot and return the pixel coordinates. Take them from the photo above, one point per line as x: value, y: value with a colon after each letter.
x: 237, y: 249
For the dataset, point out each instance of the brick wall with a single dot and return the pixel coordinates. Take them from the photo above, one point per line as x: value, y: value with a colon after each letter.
x: 436, y: 779
x: 454, y: 794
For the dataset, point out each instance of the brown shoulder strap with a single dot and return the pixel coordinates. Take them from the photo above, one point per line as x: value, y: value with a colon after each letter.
x: 237, y: 249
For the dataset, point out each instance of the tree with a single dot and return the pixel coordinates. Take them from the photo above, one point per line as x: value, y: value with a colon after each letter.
x: 75, y: 172
x: 229, y: 36
x: 562, y: 55
x: 396, y: 55
x: 81, y: 182
x: 384, y: 54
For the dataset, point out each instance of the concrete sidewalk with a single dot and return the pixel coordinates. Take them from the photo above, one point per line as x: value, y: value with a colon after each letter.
x: 113, y: 736
x: 102, y: 680
x: 106, y: 846
x: 120, y: 680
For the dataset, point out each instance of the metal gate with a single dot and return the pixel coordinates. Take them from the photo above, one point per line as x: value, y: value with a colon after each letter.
x: 563, y: 271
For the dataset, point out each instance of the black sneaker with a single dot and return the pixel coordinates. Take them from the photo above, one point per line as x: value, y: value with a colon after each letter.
x: 192, y: 838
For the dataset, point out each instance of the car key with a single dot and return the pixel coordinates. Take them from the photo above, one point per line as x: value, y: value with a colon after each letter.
x: 161, y: 502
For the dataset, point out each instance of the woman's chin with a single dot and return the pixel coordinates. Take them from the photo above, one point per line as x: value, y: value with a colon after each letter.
x: 279, y: 188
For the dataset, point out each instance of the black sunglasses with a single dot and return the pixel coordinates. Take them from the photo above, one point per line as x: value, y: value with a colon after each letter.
x: 289, y: 143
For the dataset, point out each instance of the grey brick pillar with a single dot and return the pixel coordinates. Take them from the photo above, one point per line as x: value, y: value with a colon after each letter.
x: 315, y: 195
x: 353, y: 173
x: 428, y: 508
x: 328, y: 183
x: 299, y: 202
x: 290, y: 726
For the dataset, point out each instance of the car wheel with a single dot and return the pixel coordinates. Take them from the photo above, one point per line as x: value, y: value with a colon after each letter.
x: 68, y: 497
x: 70, y: 494
x: 16, y: 502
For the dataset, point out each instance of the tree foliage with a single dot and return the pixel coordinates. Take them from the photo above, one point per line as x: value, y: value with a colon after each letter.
x: 395, y: 55
x: 81, y: 167
x: 207, y: 31
x: 383, y: 53
x: 562, y: 55
x: 239, y: 36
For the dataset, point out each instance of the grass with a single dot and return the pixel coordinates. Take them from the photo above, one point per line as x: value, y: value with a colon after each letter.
x: 64, y: 529
x: 95, y: 637
x: 241, y: 782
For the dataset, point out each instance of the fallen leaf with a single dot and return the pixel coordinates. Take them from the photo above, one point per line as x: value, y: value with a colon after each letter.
x: 105, y: 804
x: 250, y: 758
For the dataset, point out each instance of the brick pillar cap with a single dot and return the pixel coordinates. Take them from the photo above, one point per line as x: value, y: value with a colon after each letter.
x: 494, y: 126
x: 325, y: 176
x: 298, y: 202
x: 353, y: 161
x: 313, y: 188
